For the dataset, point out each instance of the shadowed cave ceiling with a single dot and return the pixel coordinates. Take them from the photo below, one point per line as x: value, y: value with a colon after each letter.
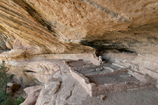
x: 75, y: 26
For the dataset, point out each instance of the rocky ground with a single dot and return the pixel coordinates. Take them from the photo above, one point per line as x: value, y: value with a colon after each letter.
x: 63, y: 89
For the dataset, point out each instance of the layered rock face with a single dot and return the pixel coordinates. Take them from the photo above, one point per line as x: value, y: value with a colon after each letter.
x: 23, y: 28
x: 35, y: 32
x: 42, y: 26
x: 77, y: 19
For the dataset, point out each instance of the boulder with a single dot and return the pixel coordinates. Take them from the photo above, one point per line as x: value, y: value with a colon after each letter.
x: 33, y: 93
x: 13, y: 87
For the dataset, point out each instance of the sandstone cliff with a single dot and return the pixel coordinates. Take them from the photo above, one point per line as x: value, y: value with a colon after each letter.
x: 52, y: 26
x: 33, y: 32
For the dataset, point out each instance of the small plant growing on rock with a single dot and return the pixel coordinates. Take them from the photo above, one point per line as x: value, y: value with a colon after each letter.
x: 5, y: 98
x: 4, y: 79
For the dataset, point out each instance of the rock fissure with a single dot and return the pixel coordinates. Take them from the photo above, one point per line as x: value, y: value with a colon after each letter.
x: 111, y: 13
x: 37, y: 16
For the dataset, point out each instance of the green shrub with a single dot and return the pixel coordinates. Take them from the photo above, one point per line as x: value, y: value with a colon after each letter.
x: 11, y: 101
x: 19, y: 101
x: 6, y: 99
x: 4, y: 79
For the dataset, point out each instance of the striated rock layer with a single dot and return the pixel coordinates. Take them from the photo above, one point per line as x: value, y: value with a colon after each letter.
x: 24, y: 30
x: 35, y: 27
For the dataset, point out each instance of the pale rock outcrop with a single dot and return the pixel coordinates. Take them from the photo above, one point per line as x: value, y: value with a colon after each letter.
x: 32, y: 93
x: 62, y: 89
x: 37, y: 69
x: 144, y: 63
x: 32, y: 72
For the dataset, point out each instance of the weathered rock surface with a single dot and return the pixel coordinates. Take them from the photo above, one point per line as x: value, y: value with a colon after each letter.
x: 33, y: 93
x: 77, y: 19
x: 144, y: 63
x: 37, y: 69
x: 62, y: 89
x: 27, y: 36
x: 35, y: 27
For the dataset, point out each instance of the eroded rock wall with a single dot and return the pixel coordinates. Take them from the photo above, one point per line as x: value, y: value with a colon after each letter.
x: 77, y: 19
x: 42, y: 26
x: 23, y: 28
